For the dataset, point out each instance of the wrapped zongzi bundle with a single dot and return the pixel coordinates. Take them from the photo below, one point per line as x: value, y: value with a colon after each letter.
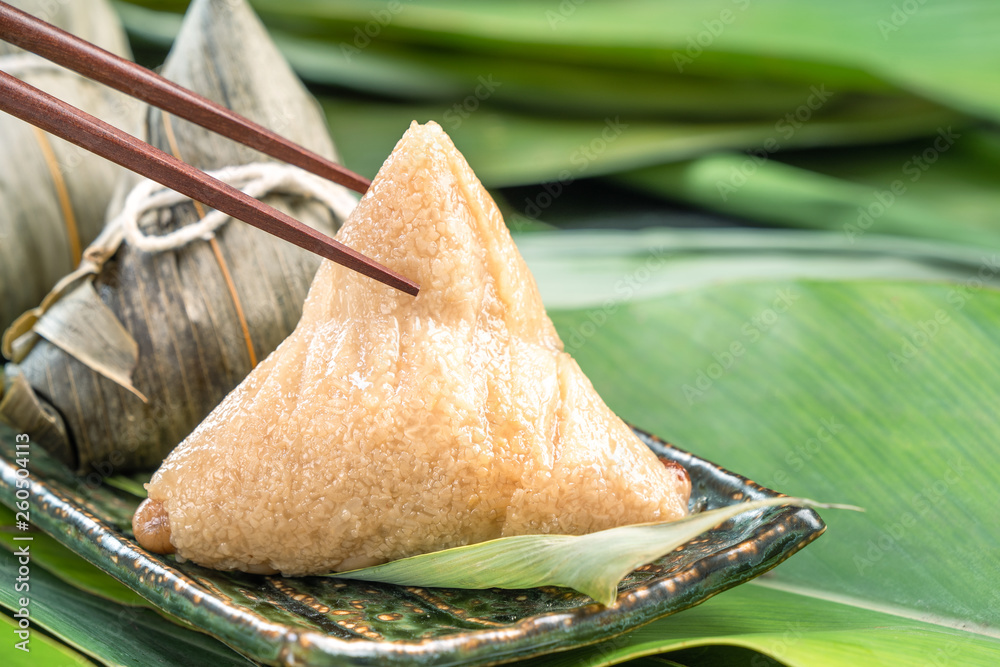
x: 54, y: 195
x: 172, y: 308
x: 387, y: 425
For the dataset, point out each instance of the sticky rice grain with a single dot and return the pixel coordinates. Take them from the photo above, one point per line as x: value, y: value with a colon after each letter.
x: 387, y: 426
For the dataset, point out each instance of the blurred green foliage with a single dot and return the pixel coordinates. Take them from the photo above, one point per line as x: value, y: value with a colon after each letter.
x: 801, y: 114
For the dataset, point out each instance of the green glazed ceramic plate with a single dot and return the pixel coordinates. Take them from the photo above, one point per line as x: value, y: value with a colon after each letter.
x: 321, y: 621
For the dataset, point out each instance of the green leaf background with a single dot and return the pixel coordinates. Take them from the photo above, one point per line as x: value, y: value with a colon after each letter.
x: 847, y: 358
x: 818, y: 403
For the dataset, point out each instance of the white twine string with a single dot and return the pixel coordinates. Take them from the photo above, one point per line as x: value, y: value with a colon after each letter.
x: 256, y: 180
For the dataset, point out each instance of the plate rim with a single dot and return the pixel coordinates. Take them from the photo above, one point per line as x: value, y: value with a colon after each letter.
x: 788, y: 530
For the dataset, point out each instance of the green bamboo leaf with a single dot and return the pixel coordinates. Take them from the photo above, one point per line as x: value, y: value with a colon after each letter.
x: 793, y: 630
x: 129, y: 484
x: 847, y: 43
x: 427, y: 74
x: 581, y: 562
x: 912, y: 190
x: 406, y: 71
x: 880, y: 391
x: 48, y: 553
x: 908, y: 434
x: 110, y: 633
x: 941, y: 50
x: 42, y: 651
x: 583, y: 269
x: 512, y: 148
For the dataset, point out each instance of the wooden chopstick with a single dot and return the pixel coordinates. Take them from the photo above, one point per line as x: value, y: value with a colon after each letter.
x: 67, y: 122
x: 46, y: 40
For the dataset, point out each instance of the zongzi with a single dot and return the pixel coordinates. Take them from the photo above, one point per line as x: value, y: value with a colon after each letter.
x: 387, y: 426
x: 139, y: 345
x: 53, y: 195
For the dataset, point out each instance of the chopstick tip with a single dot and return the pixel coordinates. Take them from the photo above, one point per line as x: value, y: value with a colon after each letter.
x: 411, y: 288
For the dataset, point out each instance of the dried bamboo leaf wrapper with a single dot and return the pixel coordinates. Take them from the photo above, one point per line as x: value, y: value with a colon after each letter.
x: 54, y: 195
x: 92, y: 20
x: 182, y: 307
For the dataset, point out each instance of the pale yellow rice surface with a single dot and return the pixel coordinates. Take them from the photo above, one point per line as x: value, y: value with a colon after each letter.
x: 387, y: 426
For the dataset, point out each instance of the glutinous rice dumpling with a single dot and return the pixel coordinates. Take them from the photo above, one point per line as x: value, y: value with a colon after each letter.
x: 387, y: 426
